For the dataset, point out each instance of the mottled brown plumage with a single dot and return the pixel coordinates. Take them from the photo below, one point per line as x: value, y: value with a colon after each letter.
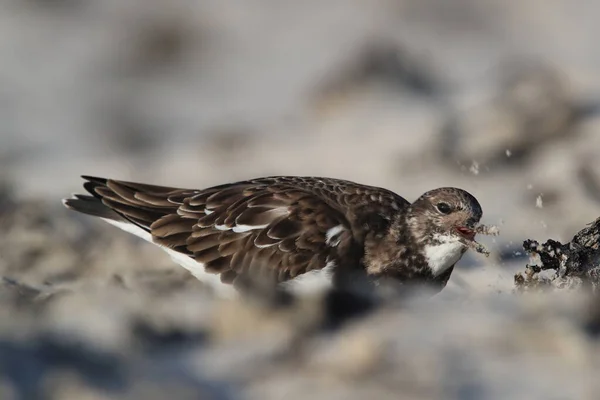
x: 284, y: 227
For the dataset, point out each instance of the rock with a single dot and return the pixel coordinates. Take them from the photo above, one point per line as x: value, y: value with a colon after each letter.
x: 573, y: 265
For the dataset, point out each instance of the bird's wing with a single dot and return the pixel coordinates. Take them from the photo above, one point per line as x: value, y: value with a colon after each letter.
x: 277, y: 227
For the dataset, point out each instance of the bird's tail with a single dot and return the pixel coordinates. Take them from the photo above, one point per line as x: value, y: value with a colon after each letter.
x: 135, y: 203
x: 91, y: 206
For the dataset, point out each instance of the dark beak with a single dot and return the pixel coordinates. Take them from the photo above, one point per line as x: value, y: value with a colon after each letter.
x: 465, y: 232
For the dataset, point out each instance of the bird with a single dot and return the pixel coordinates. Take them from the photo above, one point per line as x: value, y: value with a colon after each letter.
x: 302, y: 233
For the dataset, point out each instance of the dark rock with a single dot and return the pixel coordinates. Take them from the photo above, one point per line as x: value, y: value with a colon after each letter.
x: 574, y: 264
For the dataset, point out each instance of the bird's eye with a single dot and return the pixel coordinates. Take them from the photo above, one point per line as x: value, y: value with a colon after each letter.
x: 444, y: 208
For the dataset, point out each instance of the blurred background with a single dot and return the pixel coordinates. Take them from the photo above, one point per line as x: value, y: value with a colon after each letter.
x: 499, y: 98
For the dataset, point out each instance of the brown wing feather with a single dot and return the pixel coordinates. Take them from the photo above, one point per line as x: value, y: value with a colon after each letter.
x: 276, y: 226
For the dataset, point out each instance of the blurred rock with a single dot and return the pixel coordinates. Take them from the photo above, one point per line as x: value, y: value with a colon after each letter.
x: 532, y: 107
x: 229, y: 140
x: 161, y: 42
x: 388, y: 63
x: 588, y: 176
x: 7, y: 200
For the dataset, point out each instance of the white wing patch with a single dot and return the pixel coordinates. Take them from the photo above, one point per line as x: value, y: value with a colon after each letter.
x: 311, y: 282
x: 130, y: 228
x: 307, y: 283
x: 264, y: 246
x: 195, y: 268
x: 332, y: 237
x: 442, y: 256
x: 240, y: 228
x: 246, y: 228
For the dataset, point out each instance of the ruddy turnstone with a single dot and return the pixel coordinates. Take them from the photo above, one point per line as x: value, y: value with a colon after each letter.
x: 301, y: 232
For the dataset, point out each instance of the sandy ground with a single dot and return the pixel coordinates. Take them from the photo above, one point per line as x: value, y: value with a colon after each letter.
x: 497, y: 98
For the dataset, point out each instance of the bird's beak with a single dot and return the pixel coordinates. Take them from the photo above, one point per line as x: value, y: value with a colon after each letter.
x: 465, y: 232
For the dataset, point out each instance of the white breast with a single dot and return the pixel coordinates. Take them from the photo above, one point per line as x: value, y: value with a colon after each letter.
x: 442, y: 256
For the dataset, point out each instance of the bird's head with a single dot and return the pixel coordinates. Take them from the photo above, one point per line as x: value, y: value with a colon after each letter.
x: 447, y: 214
